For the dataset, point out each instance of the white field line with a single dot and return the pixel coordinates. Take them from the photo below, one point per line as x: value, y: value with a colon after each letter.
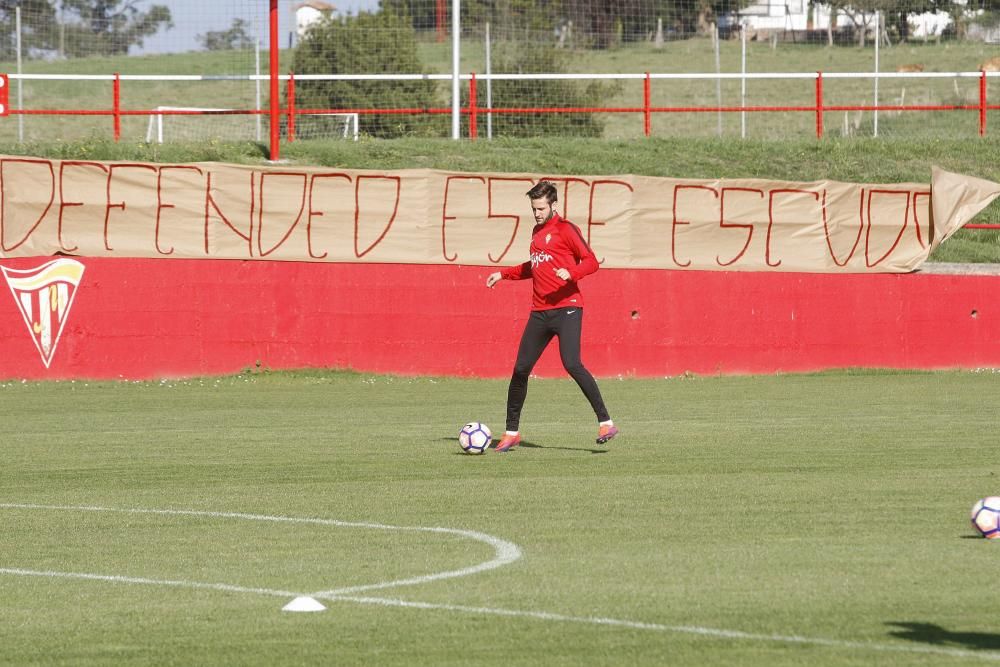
x: 992, y: 656
x: 118, y: 579
x: 341, y: 596
x: 504, y: 552
x: 717, y: 633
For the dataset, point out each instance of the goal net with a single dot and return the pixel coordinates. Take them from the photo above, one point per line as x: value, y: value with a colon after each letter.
x: 192, y: 124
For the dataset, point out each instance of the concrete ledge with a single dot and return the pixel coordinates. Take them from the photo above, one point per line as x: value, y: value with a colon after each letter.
x: 953, y: 268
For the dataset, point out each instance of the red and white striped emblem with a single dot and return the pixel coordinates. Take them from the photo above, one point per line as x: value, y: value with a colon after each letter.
x: 44, y: 296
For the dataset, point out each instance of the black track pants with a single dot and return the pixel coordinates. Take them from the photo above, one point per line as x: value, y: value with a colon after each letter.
x: 542, y: 325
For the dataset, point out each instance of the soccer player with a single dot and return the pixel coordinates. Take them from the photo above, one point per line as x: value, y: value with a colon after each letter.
x: 560, y: 258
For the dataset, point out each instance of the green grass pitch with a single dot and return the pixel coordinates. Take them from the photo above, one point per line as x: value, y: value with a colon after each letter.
x: 769, y: 520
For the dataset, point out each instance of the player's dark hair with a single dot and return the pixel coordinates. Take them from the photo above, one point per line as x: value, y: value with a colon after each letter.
x: 544, y: 189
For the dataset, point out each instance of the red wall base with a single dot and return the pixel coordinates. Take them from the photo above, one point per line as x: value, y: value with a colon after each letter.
x: 141, y: 319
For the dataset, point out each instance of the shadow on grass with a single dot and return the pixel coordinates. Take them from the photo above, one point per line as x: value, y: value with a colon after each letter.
x: 531, y: 445
x: 928, y: 633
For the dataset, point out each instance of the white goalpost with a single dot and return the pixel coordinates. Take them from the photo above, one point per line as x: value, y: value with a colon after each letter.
x: 187, y: 124
x: 323, y: 125
x: 179, y: 126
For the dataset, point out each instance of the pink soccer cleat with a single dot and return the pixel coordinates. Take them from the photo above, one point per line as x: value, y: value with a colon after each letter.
x: 508, y: 442
x: 605, y: 433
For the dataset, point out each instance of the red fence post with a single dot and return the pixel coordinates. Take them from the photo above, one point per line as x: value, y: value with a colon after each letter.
x: 645, y: 105
x: 472, y: 106
x: 275, y: 110
x: 439, y: 12
x: 290, y: 94
x: 982, y: 103
x: 117, y: 105
x: 4, y: 95
x: 819, y: 105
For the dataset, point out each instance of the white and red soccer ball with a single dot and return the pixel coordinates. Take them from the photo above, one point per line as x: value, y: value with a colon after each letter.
x: 985, y: 517
x: 475, y: 438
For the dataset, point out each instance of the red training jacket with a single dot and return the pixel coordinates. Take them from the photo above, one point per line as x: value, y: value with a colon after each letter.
x: 555, y: 244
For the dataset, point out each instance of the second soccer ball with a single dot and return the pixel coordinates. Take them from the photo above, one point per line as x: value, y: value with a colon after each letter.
x: 985, y: 517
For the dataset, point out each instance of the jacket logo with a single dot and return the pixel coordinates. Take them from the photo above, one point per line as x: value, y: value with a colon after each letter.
x: 548, y: 237
x: 44, y: 296
x: 539, y: 258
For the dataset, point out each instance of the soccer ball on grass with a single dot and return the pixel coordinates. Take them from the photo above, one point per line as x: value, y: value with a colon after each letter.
x: 985, y: 517
x: 475, y: 438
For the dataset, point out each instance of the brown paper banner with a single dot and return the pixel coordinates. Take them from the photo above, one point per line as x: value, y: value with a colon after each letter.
x: 318, y: 214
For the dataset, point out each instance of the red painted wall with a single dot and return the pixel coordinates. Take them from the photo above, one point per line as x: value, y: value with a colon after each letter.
x: 170, y: 318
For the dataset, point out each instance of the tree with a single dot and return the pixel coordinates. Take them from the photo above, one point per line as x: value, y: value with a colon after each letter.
x: 507, y: 18
x: 382, y: 43
x: 111, y: 27
x: 422, y: 14
x: 525, y: 59
x: 601, y: 24
x: 38, y: 27
x: 896, y: 13
x: 236, y: 37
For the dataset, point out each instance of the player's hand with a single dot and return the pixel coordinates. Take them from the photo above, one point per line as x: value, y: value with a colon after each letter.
x: 563, y: 273
x: 493, y: 279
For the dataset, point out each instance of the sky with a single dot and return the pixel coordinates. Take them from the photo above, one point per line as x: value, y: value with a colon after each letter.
x: 195, y: 17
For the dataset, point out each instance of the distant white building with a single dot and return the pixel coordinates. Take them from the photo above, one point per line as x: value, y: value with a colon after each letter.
x: 769, y: 16
x: 929, y: 24
x: 307, y: 13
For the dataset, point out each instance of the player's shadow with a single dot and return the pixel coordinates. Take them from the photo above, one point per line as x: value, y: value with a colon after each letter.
x: 929, y: 633
x: 531, y: 445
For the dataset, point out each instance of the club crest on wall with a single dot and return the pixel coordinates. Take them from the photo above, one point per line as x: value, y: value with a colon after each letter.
x: 44, y: 295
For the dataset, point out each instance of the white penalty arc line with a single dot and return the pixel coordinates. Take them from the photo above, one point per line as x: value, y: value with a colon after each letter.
x: 504, y: 552
x: 717, y: 633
